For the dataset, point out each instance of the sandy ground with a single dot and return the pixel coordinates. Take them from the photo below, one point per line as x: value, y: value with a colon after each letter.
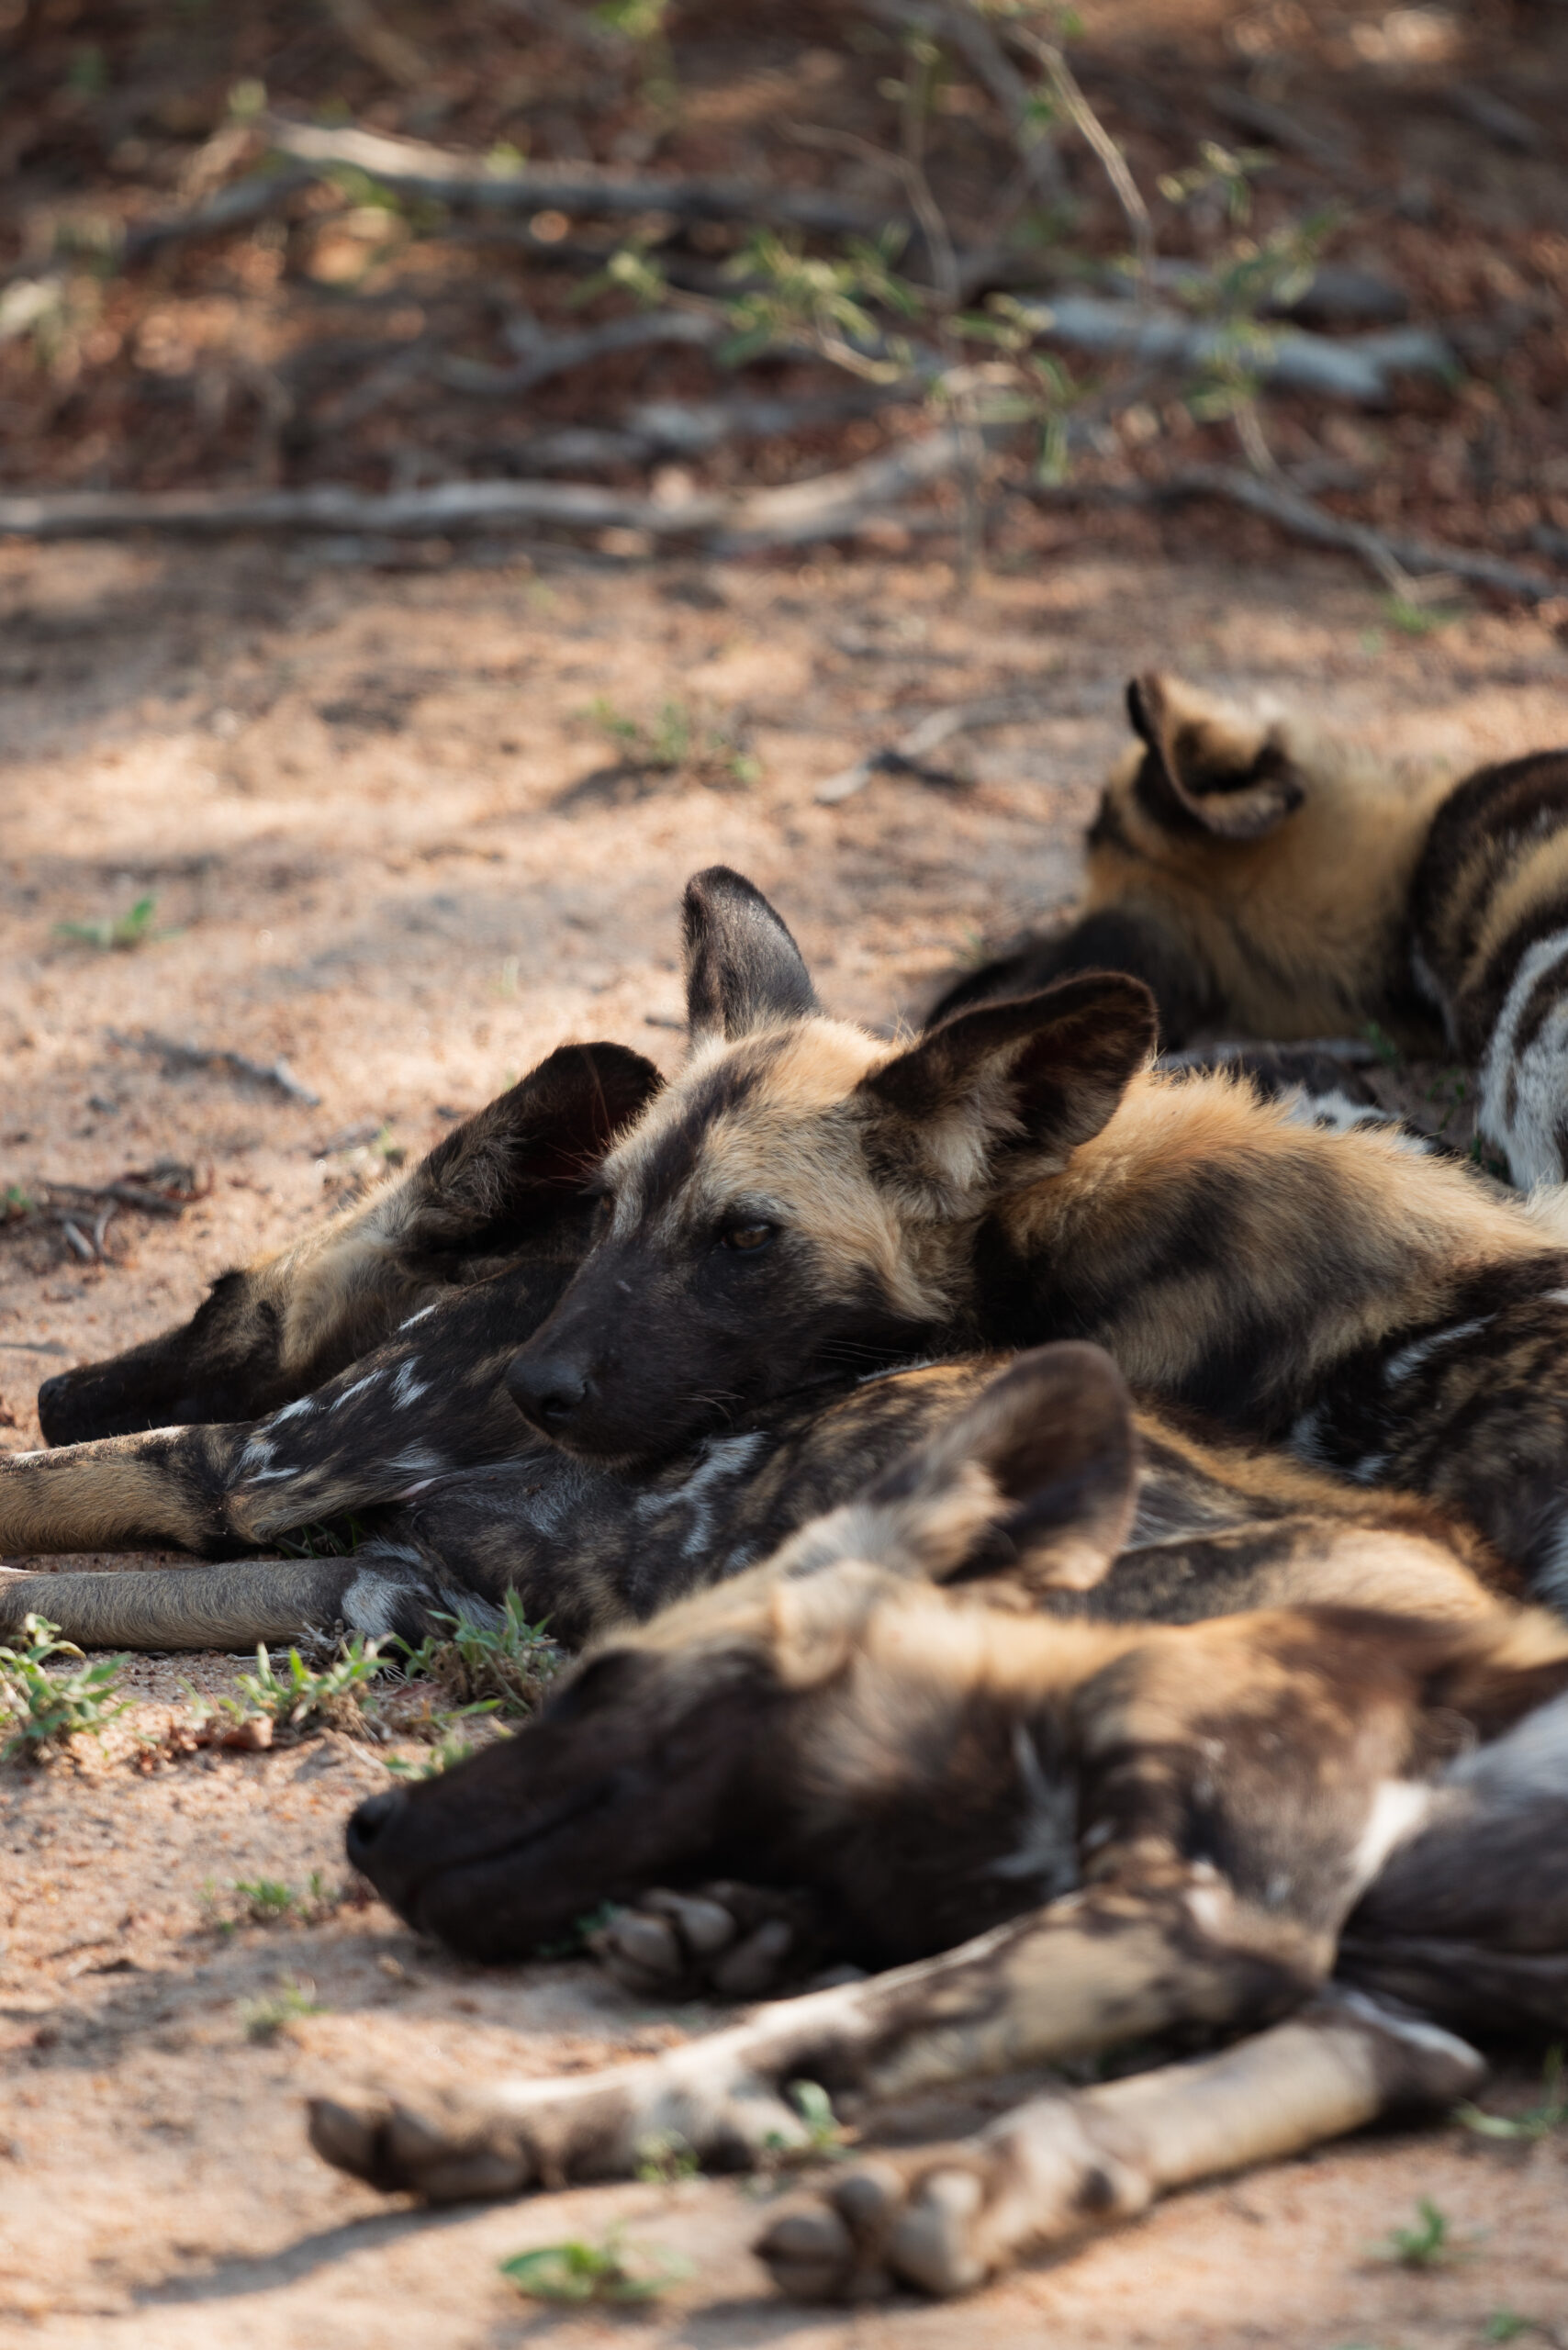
x: 389, y: 839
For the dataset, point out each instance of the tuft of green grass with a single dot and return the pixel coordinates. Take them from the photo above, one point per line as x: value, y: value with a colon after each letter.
x: 1540, y: 2121
x: 665, y: 2158
x: 450, y: 1748
x: 271, y: 1901
x: 1417, y: 619
x: 120, y: 934
x: 15, y: 1204
x: 1506, y: 2325
x: 264, y: 2019
x: 1430, y: 2245
x: 1383, y: 1044
x: 47, y: 1708
x: 610, y: 2270
x: 677, y: 742
x: 497, y: 1668
x: 299, y: 1698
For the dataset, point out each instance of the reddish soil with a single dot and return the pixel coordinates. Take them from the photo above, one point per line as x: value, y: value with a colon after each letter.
x: 386, y: 842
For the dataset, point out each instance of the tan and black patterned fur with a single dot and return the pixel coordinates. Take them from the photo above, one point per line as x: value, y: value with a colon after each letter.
x: 1266, y: 877
x: 1126, y: 1830
x: 802, y: 1191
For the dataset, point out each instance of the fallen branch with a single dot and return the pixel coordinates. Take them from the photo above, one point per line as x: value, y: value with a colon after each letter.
x: 1397, y: 561
x: 177, y: 1055
x: 414, y: 168
x: 1352, y: 368
x: 907, y: 757
x: 234, y: 207
x: 821, y: 507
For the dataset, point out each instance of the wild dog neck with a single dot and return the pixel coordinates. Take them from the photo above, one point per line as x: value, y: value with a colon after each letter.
x: 1228, y: 1258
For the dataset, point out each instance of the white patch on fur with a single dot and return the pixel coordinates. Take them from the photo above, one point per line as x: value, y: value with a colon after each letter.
x: 358, y: 1388
x: 1529, y: 1140
x: 1398, y: 1809
x: 1410, y: 1357
x: 1337, y: 1113
x: 416, y: 1317
x: 255, y: 1456
x: 720, y: 1457
x: 419, y: 1461
x: 469, y: 1608
x: 370, y: 1606
x: 296, y: 1411
x: 1046, y: 1850
x: 1400, y: 2024
x: 406, y: 1388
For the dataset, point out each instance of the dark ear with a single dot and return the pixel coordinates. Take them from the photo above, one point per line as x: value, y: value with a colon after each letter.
x: 1206, y: 771
x: 1002, y: 1094
x: 743, y: 969
x: 1054, y: 1434
x: 1034, y: 1479
x: 529, y: 1149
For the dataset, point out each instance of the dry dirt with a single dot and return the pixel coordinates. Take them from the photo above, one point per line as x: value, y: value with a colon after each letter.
x: 389, y: 840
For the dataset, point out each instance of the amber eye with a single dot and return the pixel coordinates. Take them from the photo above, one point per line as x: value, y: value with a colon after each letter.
x: 745, y: 1240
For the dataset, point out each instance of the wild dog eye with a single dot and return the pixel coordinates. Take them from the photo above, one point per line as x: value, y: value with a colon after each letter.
x: 745, y: 1240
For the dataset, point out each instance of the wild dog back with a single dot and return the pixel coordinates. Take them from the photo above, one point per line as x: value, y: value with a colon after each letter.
x: 801, y: 1191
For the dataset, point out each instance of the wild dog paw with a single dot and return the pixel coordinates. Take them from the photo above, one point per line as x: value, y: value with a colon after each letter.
x: 735, y: 1942
x: 446, y: 2149
x: 947, y: 2218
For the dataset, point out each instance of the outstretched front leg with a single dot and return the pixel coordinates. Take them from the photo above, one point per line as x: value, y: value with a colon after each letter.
x: 944, y: 2219
x: 1086, y: 1972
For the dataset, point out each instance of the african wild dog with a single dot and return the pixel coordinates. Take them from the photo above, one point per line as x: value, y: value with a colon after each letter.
x: 804, y: 1205
x: 803, y: 1190
x: 1136, y: 1829
x: 503, y: 1191
x: 1259, y: 874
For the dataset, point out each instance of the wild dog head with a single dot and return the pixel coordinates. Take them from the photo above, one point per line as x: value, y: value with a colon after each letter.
x: 1252, y: 870
x: 685, y: 1748
x: 802, y: 1203
x: 508, y: 1179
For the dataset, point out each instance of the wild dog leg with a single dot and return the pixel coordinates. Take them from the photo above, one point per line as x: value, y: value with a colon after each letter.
x: 1085, y: 1973
x: 945, y: 2218
x: 231, y: 1607
x: 168, y: 1490
x: 728, y: 1941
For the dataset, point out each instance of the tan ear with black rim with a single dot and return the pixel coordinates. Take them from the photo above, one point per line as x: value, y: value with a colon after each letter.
x: 1204, y: 770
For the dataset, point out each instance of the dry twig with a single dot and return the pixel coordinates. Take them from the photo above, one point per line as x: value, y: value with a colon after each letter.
x: 177, y: 1055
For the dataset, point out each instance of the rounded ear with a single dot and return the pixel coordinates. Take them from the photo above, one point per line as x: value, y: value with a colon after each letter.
x: 1054, y: 1439
x: 1205, y: 769
x: 1002, y: 1092
x: 529, y: 1148
x: 744, y: 971
x: 1034, y: 1479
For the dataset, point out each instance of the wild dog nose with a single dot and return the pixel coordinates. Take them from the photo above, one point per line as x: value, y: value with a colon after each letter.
x: 54, y: 1398
x: 369, y: 1823
x: 545, y: 1392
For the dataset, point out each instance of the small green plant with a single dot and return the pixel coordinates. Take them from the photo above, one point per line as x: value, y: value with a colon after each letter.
x: 580, y: 1934
x: 450, y: 1748
x: 299, y: 1698
x: 15, y: 1203
x: 502, y: 1667
x: 826, y: 2138
x: 50, y: 1709
x: 1383, y: 1044
x: 665, y: 2158
x: 610, y: 2270
x: 120, y: 934
x: 1426, y: 2246
x: 269, y: 1901
x: 1506, y: 2325
x: 1548, y: 2114
x: 1416, y: 620
x: 263, y: 2019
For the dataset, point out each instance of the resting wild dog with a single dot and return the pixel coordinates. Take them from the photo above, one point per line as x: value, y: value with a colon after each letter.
x: 805, y: 1203
x: 1138, y: 1830
x: 1019, y: 1174
x: 1261, y: 875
